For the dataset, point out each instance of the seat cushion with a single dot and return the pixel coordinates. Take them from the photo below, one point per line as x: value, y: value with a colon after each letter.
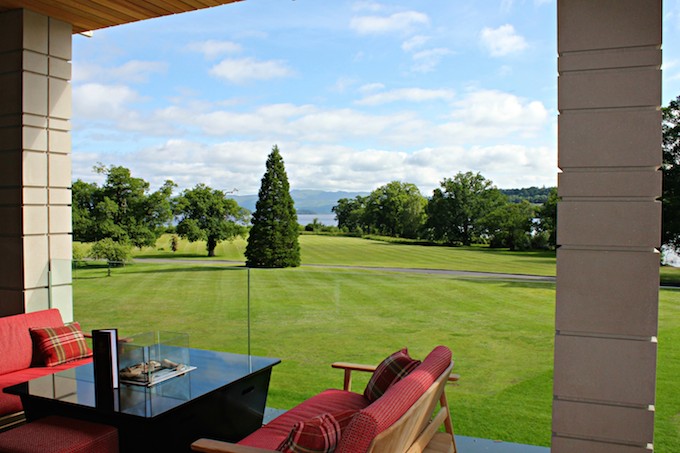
x: 12, y: 403
x: 271, y: 435
x: 60, y: 435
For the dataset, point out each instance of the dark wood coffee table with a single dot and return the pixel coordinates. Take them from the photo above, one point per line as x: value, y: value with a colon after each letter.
x: 223, y: 398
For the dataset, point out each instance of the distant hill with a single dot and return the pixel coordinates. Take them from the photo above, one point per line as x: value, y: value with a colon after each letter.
x: 321, y: 202
x: 306, y: 201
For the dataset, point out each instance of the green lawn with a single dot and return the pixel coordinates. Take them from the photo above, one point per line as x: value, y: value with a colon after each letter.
x: 349, y: 251
x: 501, y: 333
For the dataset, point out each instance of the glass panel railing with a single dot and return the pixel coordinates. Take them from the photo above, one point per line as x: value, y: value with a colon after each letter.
x: 207, y: 301
x: 59, y: 289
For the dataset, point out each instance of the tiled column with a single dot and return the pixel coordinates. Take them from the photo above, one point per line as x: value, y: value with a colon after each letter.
x: 609, y: 223
x: 35, y: 163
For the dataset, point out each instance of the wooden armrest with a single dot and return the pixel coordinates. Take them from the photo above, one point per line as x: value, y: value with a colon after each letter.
x: 354, y: 366
x: 217, y: 446
x: 349, y: 367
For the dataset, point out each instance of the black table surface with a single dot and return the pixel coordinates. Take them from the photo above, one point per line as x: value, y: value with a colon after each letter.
x: 214, y: 370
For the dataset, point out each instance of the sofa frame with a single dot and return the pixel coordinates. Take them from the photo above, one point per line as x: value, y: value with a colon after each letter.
x: 416, y: 431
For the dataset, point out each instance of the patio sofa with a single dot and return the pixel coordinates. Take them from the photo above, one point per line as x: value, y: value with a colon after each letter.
x: 34, y: 345
x: 402, y: 419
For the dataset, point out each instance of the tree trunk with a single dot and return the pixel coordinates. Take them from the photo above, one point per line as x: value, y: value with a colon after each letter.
x: 212, y: 243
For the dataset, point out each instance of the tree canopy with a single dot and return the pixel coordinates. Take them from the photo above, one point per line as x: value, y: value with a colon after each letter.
x: 396, y: 209
x: 273, y: 239
x: 207, y: 214
x: 455, y: 211
x: 121, y: 209
x: 547, y: 215
x: 509, y: 224
x: 671, y: 174
x: 349, y: 212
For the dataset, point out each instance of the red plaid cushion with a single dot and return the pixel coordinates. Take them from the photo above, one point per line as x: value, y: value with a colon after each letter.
x: 389, y: 372
x: 57, y: 345
x: 320, y: 434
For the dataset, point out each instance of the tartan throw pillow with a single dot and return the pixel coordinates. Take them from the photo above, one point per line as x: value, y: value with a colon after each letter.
x: 389, y: 372
x: 320, y: 434
x: 57, y: 345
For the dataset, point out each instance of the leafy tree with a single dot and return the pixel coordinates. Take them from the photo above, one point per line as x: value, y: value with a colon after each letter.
x: 110, y: 250
x: 547, y: 215
x: 536, y: 195
x: 273, y: 238
x: 84, y: 199
x: 349, y: 212
x: 80, y: 251
x: 455, y: 211
x: 510, y: 225
x: 671, y: 174
x: 207, y: 214
x: 396, y: 209
x: 122, y: 209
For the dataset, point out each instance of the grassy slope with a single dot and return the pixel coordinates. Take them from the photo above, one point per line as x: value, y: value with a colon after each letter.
x: 501, y: 333
x: 351, y: 251
x: 362, y: 252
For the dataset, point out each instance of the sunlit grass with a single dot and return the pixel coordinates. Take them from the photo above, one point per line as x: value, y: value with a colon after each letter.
x: 351, y: 251
x: 501, y: 333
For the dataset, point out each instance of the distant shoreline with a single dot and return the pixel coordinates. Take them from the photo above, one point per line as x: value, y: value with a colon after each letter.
x: 325, y: 219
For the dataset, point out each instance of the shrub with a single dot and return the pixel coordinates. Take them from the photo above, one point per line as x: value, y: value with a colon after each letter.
x: 80, y: 251
x: 108, y: 249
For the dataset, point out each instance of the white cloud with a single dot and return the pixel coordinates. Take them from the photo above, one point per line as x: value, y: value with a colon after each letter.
x: 502, y: 41
x: 492, y: 113
x: 267, y: 121
x: 343, y: 84
x: 247, y: 69
x: 99, y: 101
x: 367, y: 6
x: 212, y: 48
x: 402, y: 22
x: 414, y: 43
x: 371, y: 87
x: 241, y: 164
x: 133, y: 71
x: 428, y: 60
x: 325, y: 148
x: 406, y: 94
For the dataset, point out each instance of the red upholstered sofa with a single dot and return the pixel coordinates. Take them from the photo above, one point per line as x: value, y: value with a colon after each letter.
x: 17, y: 362
x: 398, y: 421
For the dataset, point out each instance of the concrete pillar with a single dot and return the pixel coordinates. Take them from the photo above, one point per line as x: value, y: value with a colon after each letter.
x: 609, y: 223
x: 35, y: 164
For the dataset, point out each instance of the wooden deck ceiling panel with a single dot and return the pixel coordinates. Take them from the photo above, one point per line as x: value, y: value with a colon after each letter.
x: 86, y: 15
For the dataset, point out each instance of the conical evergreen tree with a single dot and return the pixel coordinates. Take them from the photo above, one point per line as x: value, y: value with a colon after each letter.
x: 273, y: 239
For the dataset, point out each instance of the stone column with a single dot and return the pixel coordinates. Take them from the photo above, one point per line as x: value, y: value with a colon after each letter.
x: 35, y: 164
x: 609, y: 223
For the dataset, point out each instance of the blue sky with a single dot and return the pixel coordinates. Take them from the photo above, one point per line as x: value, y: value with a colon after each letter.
x: 355, y: 93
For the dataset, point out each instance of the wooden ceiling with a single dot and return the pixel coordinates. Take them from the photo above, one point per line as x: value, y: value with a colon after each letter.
x: 86, y: 15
